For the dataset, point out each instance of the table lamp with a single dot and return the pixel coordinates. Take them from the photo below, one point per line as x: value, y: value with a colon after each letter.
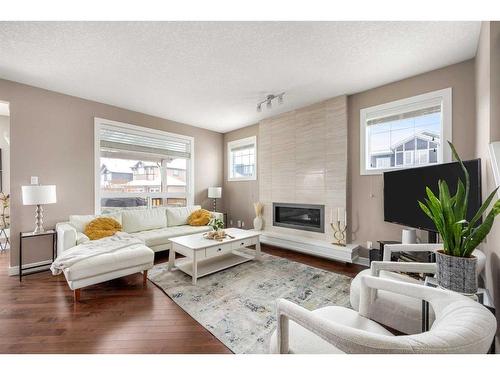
x: 36, y: 195
x: 214, y: 193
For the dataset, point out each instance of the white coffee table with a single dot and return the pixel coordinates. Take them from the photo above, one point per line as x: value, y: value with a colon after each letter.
x: 204, y: 256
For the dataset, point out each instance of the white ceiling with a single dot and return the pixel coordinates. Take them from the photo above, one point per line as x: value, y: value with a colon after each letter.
x: 212, y: 74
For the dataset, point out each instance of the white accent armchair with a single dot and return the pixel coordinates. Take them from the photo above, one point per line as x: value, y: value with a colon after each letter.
x: 462, y: 325
x: 400, y: 312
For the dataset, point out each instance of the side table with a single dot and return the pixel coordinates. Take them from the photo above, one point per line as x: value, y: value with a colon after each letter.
x: 24, y: 235
x: 482, y: 296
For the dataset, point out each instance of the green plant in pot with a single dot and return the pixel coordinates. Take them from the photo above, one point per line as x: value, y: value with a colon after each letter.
x: 216, y: 224
x: 456, y: 266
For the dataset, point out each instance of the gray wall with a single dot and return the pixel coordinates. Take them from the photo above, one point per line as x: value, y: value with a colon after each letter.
x: 365, y: 211
x: 5, y: 147
x: 239, y: 196
x: 52, y: 136
x: 488, y: 130
x: 365, y: 201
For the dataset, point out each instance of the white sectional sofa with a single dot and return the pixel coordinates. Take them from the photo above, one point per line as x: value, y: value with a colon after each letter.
x: 155, y: 226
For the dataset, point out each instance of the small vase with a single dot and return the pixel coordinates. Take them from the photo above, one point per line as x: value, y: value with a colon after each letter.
x: 257, y: 223
x: 456, y: 273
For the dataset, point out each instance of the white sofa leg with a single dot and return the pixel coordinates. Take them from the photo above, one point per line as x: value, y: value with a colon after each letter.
x: 145, y: 278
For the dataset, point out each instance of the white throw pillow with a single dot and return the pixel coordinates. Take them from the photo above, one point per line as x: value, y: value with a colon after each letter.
x: 139, y: 220
x: 179, y: 215
x: 81, y: 238
x: 80, y: 221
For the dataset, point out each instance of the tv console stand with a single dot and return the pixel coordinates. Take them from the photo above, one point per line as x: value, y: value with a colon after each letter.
x: 378, y: 254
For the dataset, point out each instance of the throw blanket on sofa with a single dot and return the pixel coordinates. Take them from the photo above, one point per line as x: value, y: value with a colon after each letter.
x: 117, y: 242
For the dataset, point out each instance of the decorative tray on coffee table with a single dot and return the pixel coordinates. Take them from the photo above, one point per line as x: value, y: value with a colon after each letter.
x: 217, y: 236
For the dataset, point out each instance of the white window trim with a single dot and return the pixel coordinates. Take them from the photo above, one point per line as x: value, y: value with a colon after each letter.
x: 445, y: 153
x: 100, y: 123
x: 238, y: 143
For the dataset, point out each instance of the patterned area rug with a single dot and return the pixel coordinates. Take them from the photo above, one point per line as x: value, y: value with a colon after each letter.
x: 238, y: 304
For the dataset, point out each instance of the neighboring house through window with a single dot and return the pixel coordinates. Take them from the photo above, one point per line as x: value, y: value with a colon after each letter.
x: 406, y: 133
x: 140, y: 167
x: 242, y: 159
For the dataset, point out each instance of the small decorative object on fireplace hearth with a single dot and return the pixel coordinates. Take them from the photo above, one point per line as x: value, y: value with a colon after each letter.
x: 456, y: 266
x: 339, y: 227
x: 258, y: 222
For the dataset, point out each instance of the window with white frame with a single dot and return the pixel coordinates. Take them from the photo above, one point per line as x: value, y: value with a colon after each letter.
x: 406, y: 133
x: 242, y: 159
x: 138, y: 167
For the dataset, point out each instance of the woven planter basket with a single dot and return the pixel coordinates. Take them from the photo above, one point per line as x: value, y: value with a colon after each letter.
x: 456, y: 273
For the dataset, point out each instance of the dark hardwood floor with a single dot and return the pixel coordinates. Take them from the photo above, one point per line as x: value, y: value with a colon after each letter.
x: 119, y: 316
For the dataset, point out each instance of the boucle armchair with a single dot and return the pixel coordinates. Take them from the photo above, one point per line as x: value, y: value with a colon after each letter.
x: 461, y: 326
x: 400, y: 312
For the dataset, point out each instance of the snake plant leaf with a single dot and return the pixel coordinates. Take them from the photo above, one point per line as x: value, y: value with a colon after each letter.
x: 426, y: 210
x: 466, y: 173
x: 432, y: 198
x: 483, y: 208
x: 459, y: 201
x: 448, y: 213
x: 434, y: 215
x: 438, y: 219
x: 454, y: 231
x: 479, y: 234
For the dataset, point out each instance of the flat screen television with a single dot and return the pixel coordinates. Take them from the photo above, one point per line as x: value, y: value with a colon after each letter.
x: 403, y: 188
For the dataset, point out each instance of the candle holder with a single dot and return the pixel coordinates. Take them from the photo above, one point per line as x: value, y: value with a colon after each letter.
x: 339, y: 233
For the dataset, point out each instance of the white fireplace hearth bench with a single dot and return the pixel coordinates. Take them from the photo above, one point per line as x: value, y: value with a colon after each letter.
x: 324, y: 249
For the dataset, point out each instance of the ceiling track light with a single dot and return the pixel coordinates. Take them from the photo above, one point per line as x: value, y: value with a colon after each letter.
x: 269, y: 101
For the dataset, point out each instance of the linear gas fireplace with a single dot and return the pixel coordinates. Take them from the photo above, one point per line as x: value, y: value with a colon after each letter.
x: 310, y: 217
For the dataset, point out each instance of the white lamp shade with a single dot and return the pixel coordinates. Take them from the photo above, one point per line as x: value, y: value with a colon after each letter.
x: 214, y: 192
x: 39, y: 194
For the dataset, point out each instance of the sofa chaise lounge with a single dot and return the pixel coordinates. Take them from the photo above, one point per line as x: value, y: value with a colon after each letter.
x: 153, y: 226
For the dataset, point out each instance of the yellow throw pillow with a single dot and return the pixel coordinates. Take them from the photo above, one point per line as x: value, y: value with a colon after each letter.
x: 102, y: 227
x: 199, y: 218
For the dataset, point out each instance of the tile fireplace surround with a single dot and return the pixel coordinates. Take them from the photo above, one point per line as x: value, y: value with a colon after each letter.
x: 303, y: 160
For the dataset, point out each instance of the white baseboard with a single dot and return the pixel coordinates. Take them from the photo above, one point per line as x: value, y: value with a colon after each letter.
x: 39, y: 266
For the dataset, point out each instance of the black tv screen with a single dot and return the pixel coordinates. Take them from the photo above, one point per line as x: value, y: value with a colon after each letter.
x: 404, y: 188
